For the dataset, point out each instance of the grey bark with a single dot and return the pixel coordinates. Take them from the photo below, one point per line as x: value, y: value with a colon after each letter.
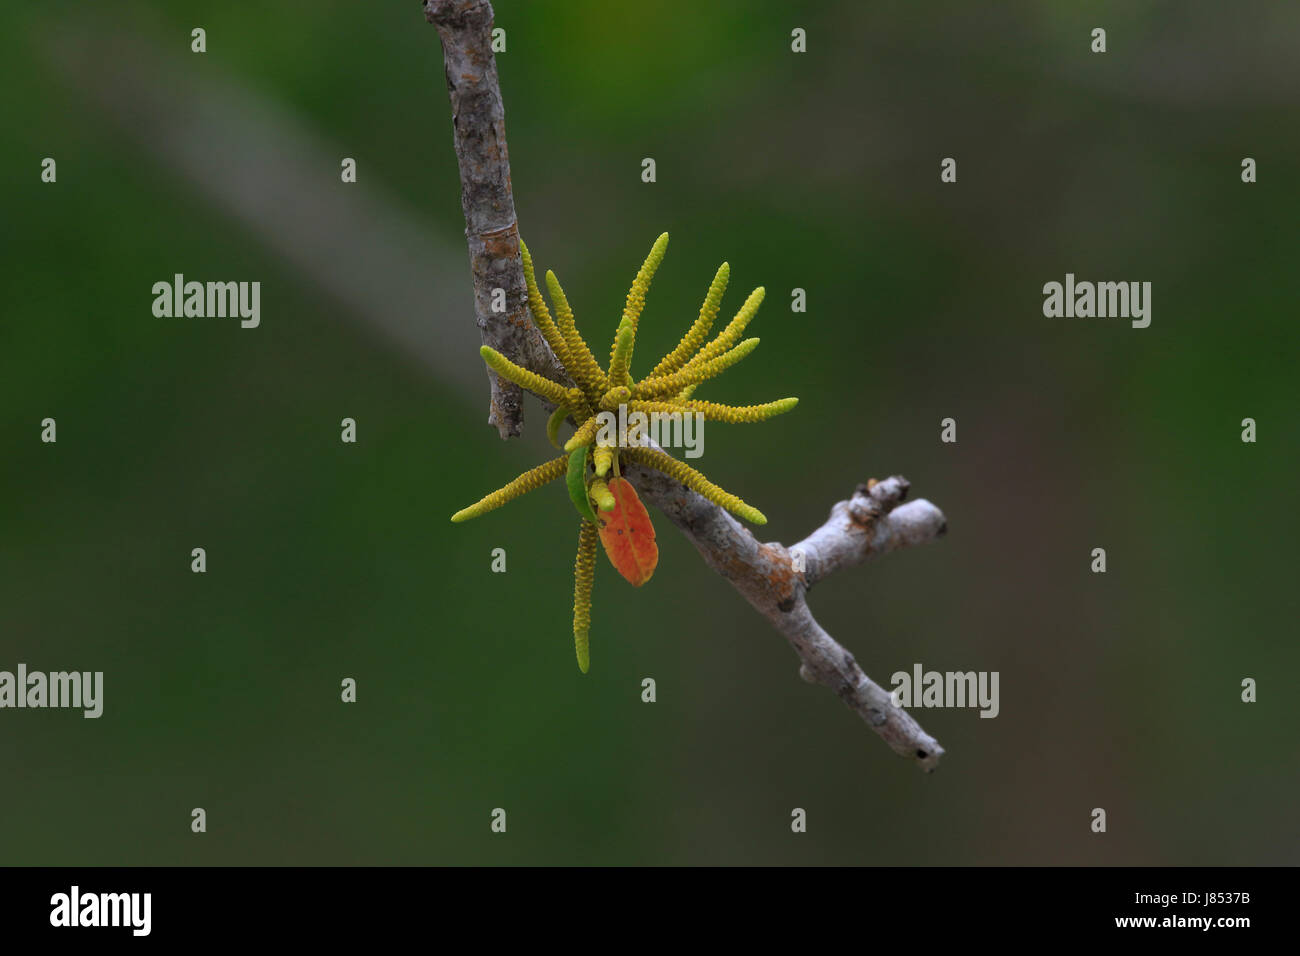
x: 491, y: 229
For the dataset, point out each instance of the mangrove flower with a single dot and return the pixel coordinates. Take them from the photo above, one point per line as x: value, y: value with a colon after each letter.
x: 590, y: 463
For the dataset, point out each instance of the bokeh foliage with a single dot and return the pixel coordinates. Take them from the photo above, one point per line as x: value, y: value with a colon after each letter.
x: 817, y: 171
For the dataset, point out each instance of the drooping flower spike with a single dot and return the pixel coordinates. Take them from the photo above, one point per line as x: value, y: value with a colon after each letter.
x: 619, y: 519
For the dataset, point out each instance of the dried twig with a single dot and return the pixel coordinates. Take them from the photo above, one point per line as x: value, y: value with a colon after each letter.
x: 873, y: 521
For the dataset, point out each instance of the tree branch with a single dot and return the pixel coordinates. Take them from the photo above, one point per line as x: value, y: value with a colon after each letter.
x: 873, y: 521
x: 491, y: 230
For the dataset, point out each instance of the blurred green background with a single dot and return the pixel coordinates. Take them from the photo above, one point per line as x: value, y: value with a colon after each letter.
x: 818, y: 171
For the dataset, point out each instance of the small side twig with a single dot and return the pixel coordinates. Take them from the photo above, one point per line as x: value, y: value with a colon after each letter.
x: 872, y: 522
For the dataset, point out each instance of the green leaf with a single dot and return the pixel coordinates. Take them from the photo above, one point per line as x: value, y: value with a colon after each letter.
x: 577, y: 482
x: 553, y: 424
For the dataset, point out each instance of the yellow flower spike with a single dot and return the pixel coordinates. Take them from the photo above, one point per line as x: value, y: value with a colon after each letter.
x: 688, y: 476
x: 601, y: 494
x: 731, y: 334
x: 585, y: 434
x: 694, y: 337
x: 602, y: 456
x: 528, y: 481
x: 542, y: 315
x: 582, y: 364
x: 615, y: 397
x: 553, y: 392
x: 584, y: 573
x: 737, y: 414
x: 622, y: 358
x: 693, y: 374
x: 713, y: 412
x: 636, y: 295
x: 687, y: 392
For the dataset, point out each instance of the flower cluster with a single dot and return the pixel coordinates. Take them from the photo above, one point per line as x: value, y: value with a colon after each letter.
x: 591, y: 459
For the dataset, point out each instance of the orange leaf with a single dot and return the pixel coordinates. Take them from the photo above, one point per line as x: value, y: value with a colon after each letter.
x: 628, y: 535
